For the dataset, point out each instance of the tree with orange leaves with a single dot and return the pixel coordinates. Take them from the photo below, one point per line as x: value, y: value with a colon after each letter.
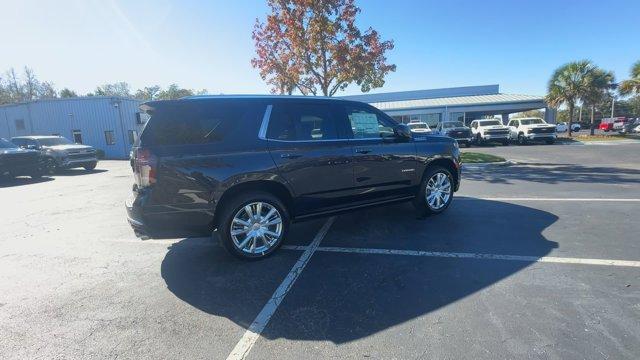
x: 314, y: 47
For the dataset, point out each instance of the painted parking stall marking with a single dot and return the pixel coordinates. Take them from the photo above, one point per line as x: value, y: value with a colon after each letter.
x: 481, y: 256
x: 550, y: 199
x: 242, y: 348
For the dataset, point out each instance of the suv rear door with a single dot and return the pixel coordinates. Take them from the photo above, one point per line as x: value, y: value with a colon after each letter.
x: 311, y: 154
x: 383, y: 166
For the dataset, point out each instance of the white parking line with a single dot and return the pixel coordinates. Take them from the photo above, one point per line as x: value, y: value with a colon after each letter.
x: 549, y: 199
x: 544, y: 259
x: 242, y: 348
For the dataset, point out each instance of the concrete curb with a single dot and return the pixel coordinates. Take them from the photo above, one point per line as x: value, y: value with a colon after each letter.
x: 488, y: 164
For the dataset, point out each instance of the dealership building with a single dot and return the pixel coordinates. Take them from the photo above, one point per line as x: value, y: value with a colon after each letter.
x: 463, y: 104
x: 113, y: 124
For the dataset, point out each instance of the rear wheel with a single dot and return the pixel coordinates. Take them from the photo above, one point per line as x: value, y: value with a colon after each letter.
x: 253, y: 225
x: 550, y: 141
x: 436, y: 191
x: 505, y: 142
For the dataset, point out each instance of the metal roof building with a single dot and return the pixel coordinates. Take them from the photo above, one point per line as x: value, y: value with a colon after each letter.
x: 456, y: 104
x: 111, y: 124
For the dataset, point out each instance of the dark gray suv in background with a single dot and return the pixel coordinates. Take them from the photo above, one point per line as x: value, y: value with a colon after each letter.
x: 60, y: 153
x: 250, y: 165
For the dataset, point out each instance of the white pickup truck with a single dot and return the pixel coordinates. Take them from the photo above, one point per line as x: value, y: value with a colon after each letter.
x: 485, y: 130
x: 531, y: 129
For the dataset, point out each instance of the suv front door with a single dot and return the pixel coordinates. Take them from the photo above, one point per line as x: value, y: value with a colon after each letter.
x: 384, y: 167
x: 311, y: 155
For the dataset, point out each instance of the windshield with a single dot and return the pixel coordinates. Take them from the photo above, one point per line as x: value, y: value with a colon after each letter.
x: 531, y: 121
x: 5, y: 144
x: 418, y: 126
x: 53, y: 141
x: 452, y: 124
x: 490, y: 122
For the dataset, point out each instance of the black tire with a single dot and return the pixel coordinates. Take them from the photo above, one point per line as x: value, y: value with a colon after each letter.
x: 550, y: 142
x: 36, y: 175
x: 505, y: 142
x: 90, y: 166
x: 521, y: 139
x: 50, y: 166
x: 233, y: 206
x: 420, y: 202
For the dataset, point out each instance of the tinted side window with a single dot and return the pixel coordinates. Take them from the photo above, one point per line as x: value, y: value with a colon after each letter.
x: 19, y: 142
x: 366, y: 123
x: 307, y: 122
x: 193, y: 123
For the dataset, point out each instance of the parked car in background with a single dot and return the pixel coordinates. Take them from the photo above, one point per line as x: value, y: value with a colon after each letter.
x: 631, y: 127
x: 250, y: 165
x: 485, y: 130
x: 564, y: 127
x: 524, y: 130
x: 60, y: 153
x: 419, y: 127
x: 456, y: 130
x: 611, y: 124
x: 15, y: 161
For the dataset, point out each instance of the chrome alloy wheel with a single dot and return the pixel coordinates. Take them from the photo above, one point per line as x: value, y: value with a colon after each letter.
x: 438, y: 191
x: 256, y: 228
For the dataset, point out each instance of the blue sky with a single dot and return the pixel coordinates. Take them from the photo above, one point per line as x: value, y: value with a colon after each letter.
x: 207, y: 44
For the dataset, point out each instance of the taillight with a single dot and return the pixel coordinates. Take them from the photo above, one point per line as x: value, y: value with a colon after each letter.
x: 145, y: 168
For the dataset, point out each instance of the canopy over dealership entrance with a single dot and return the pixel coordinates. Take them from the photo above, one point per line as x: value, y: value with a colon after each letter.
x: 454, y: 104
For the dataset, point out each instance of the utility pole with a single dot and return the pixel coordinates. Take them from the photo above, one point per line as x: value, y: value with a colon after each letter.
x: 613, y: 106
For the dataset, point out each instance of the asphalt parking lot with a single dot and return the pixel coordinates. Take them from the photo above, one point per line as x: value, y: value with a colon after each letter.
x: 539, y: 259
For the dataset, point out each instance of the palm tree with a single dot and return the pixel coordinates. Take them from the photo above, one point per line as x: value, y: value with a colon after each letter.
x: 568, y: 85
x: 600, y: 82
x: 631, y: 85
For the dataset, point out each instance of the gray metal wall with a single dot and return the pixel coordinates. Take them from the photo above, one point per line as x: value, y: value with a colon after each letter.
x: 91, y: 115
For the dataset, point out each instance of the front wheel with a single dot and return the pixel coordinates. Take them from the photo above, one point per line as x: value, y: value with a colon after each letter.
x: 550, y: 141
x: 253, y: 225
x: 436, y: 192
x: 521, y: 139
x: 90, y: 166
x: 505, y: 142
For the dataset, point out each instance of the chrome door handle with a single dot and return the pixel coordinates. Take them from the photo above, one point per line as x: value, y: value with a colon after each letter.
x: 363, y: 151
x: 290, y: 156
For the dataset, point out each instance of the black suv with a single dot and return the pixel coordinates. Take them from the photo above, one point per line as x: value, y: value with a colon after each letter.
x: 249, y: 165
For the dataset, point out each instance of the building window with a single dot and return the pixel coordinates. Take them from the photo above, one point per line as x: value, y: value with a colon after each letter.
x: 110, y: 137
x: 133, y: 137
x: 77, y: 136
x: 19, y: 124
x: 456, y: 116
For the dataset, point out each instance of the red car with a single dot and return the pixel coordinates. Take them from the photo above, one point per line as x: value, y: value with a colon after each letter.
x: 610, y: 124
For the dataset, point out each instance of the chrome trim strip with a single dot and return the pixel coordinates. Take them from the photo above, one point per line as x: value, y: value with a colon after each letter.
x: 262, y: 134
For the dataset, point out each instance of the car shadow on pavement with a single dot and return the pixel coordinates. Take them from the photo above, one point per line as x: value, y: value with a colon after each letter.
x: 555, y: 174
x: 341, y: 297
x: 76, y: 172
x: 20, y: 181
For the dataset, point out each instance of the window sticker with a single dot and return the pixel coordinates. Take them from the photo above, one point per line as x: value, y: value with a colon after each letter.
x: 364, y: 124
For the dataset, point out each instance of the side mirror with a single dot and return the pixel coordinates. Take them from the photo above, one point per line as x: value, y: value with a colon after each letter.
x: 402, y: 132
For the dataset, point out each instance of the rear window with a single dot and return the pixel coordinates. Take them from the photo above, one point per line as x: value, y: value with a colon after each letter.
x: 192, y: 122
